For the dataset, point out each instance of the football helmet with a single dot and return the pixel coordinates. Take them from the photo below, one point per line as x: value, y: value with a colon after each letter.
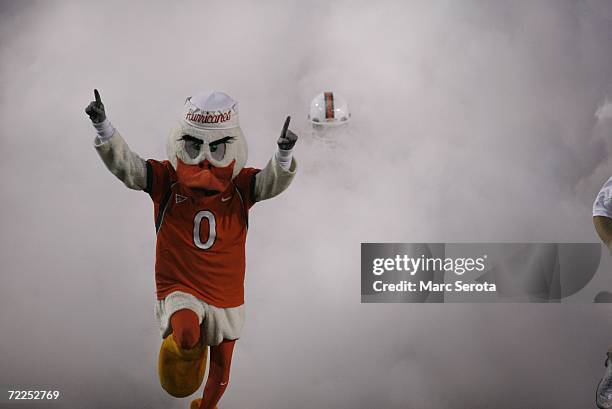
x: 328, y: 109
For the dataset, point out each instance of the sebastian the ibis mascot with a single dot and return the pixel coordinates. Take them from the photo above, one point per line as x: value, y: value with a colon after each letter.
x: 201, y: 197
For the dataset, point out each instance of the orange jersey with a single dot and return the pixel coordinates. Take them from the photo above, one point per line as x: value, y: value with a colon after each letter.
x: 201, y: 236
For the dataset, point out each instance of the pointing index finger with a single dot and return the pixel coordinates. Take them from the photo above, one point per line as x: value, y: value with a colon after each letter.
x: 97, y: 95
x: 285, y: 127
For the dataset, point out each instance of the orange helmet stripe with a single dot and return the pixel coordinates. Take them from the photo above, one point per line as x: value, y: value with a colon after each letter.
x: 329, y: 105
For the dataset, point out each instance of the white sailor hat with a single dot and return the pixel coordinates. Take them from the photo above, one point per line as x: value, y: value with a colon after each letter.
x: 215, y: 110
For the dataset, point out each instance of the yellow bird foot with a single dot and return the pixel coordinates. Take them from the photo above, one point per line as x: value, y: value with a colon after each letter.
x: 181, y: 371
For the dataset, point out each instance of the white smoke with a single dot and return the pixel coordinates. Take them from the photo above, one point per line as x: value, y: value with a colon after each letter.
x: 604, y: 111
x: 471, y: 121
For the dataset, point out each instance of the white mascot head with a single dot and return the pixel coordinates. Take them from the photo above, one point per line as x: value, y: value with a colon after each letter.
x: 208, y: 134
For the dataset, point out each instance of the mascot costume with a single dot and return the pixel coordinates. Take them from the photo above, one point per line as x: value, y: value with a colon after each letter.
x: 201, y: 195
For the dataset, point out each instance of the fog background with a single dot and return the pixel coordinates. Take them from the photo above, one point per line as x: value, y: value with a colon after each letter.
x: 472, y: 121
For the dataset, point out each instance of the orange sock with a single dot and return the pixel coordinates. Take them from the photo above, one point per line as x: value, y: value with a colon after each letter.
x: 185, y: 328
x: 218, y: 375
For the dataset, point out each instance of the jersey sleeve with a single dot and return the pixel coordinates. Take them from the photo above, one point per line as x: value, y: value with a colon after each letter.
x: 160, y: 177
x: 245, y: 182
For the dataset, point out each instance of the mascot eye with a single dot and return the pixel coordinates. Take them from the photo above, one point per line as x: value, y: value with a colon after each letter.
x: 217, y: 148
x: 191, y: 140
x: 192, y: 145
x: 220, y: 142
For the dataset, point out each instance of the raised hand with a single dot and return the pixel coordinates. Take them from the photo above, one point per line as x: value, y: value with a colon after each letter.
x: 287, y: 138
x: 95, y: 109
